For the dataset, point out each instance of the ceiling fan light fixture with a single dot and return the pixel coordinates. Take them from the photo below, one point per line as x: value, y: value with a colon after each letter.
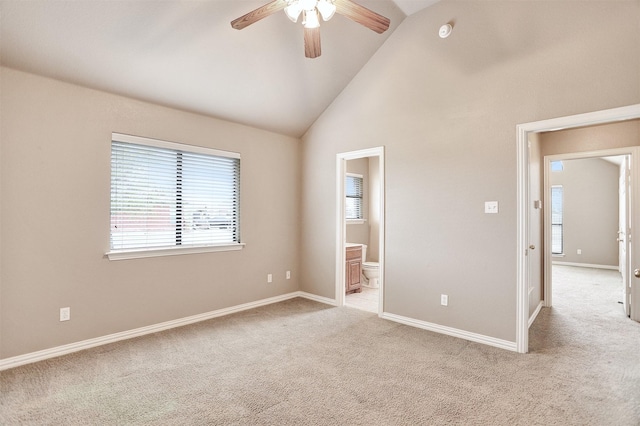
x: 307, y: 4
x: 311, y: 19
x: 311, y: 11
x: 293, y: 11
x: 326, y: 8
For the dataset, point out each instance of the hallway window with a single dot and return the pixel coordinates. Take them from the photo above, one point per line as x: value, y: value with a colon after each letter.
x: 556, y: 220
x: 354, y: 194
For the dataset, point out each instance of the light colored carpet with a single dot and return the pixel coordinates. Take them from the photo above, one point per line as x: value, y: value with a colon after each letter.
x: 303, y: 363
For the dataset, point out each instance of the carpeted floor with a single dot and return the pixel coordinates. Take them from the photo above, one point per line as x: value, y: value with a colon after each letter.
x: 304, y: 363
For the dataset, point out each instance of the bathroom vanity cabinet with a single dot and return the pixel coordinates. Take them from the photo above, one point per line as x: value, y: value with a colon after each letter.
x: 353, y: 270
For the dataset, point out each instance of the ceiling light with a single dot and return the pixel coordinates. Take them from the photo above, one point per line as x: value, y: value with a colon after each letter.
x: 311, y: 19
x: 326, y: 9
x: 293, y: 11
x: 307, y: 4
x: 311, y: 8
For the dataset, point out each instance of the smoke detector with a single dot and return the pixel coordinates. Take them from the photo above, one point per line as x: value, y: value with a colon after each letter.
x: 445, y: 31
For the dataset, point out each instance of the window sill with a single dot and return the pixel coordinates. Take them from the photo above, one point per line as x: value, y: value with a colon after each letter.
x: 170, y: 251
x: 355, y: 221
x: 557, y: 255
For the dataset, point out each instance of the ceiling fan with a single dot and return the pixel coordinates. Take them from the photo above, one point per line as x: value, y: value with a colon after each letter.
x: 311, y: 11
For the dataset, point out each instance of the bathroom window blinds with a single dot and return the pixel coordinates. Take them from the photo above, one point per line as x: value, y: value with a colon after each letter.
x: 168, y: 195
x: 353, y: 191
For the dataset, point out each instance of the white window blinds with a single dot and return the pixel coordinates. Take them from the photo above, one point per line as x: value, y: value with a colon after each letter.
x: 353, y: 191
x: 167, y: 195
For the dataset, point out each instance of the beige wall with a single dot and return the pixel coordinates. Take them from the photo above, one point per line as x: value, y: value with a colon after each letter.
x: 373, y: 252
x: 593, y: 138
x: 55, y: 217
x: 590, y: 215
x: 446, y: 112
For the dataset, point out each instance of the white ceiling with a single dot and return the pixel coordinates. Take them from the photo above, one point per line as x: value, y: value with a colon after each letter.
x: 184, y: 54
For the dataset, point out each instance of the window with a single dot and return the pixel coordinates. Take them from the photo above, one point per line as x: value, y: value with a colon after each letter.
x: 353, y: 193
x: 557, y: 166
x: 556, y: 219
x: 169, y: 198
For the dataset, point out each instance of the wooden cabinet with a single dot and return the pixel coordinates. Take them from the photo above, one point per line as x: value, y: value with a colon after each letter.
x: 353, y: 270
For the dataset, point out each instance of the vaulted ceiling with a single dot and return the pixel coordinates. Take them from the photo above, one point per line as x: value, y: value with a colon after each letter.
x: 184, y: 54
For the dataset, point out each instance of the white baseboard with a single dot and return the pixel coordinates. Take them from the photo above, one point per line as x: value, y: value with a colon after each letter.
x: 474, y: 337
x: 316, y: 298
x: 57, y: 351
x: 533, y: 317
x: 478, y: 338
x: 586, y: 265
x: 16, y: 361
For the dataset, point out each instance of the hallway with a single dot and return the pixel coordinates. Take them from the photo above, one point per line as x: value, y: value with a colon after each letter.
x: 589, y: 341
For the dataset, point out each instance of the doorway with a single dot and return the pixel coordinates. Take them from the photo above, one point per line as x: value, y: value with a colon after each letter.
x: 367, y: 228
x: 524, y: 201
x: 587, y: 221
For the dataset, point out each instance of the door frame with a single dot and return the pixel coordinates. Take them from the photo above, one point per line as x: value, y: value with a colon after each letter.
x: 632, y: 152
x: 523, y: 201
x: 341, y: 229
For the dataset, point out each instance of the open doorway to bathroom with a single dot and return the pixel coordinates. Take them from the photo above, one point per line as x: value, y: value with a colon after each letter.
x: 360, y: 230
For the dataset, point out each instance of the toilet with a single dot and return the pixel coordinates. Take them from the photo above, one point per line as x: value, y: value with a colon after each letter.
x: 370, y: 270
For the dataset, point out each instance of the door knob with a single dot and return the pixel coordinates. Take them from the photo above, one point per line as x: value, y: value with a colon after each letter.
x: 637, y: 273
x: 532, y: 247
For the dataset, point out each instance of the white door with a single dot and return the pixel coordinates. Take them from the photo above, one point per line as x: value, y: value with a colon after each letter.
x: 534, y: 251
x: 624, y: 232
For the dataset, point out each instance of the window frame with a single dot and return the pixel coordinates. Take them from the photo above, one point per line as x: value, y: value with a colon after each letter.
x: 136, y: 253
x: 561, y: 222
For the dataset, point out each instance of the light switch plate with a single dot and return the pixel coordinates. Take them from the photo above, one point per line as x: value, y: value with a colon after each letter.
x: 444, y: 300
x: 491, y: 207
x: 65, y: 314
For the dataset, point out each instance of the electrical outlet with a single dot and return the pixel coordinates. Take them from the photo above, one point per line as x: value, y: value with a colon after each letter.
x: 579, y: 251
x: 444, y: 300
x: 65, y: 314
x: 288, y: 275
x: 269, y: 278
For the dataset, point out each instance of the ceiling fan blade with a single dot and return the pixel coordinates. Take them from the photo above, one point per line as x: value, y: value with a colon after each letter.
x: 362, y: 15
x: 312, y: 42
x: 258, y: 14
